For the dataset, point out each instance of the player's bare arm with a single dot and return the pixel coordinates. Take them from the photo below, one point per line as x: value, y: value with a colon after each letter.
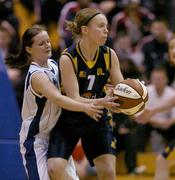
x: 43, y: 86
x: 115, y: 72
x: 71, y: 87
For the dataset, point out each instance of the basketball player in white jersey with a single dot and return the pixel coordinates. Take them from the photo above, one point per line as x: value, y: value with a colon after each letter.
x: 42, y: 102
x: 162, y: 165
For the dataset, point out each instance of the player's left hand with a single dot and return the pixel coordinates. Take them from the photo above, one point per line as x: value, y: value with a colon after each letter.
x: 144, y: 116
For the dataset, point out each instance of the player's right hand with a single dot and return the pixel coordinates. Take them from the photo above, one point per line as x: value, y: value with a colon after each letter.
x: 94, y: 111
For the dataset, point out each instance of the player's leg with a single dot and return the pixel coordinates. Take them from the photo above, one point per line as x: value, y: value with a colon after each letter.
x: 34, y: 154
x: 162, y: 169
x: 61, y: 169
x: 53, y: 165
x: 105, y: 166
x: 70, y: 172
x: 100, y: 148
x: 60, y: 162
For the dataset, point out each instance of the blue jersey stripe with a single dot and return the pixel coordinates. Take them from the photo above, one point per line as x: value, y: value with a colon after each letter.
x: 31, y: 163
x: 27, y: 81
x: 34, y: 126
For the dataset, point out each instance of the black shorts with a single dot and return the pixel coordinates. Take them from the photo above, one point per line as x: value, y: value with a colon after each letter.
x: 96, y: 137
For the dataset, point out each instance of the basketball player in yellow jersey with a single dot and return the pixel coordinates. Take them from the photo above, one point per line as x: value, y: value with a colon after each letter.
x: 162, y: 167
x: 42, y: 103
x: 85, y: 68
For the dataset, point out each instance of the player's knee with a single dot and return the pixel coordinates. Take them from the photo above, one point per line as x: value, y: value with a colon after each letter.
x: 108, y: 173
x: 51, y: 168
x: 160, y: 158
x: 160, y: 161
x: 105, y: 166
x: 55, y: 168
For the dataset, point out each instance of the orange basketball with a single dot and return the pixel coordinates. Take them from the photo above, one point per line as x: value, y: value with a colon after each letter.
x: 132, y: 95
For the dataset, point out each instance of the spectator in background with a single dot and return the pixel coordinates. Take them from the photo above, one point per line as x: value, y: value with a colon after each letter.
x: 158, y: 7
x: 164, y: 122
x: 162, y: 8
x: 134, y: 20
x: 15, y: 75
x: 125, y: 131
x: 123, y: 47
x: 7, y: 13
x: 5, y: 40
x: 162, y: 165
x: 155, y: 50
x: 9, y: 21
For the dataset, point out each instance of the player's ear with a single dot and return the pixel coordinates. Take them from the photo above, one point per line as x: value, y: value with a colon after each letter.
x: 84, y: 29
x: 28, y: 49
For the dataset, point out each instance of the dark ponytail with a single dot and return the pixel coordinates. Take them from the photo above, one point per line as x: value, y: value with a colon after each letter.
x: 20, y: 61
x: 23, y: 59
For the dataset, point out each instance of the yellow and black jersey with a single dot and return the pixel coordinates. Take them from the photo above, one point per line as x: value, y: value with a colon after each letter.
x: 92, y: 75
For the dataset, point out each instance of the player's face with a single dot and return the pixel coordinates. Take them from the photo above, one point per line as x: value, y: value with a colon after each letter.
x: 41, y: 47
x: 159, y: 79
x: 98, y: 30
x: 172, y: 51
x: 159, y: 30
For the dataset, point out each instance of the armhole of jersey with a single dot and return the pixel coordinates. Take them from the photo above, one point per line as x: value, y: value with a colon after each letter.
x: 108, y: 59
x: 73, y: 60
x: 32, y: 90
x: 54, y: 62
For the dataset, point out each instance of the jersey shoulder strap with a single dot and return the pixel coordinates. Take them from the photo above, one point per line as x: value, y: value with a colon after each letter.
x: 71, y: 52
x: 107, y: 56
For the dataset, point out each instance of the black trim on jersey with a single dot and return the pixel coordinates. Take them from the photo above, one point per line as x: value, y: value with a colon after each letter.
x: 67, y: 54
x: 27, y: 81
x: 52, y: 70
x: 33, y: 64
x: 109, y: 59
x: 54, y: 62
x: 59, y: 75
x: 34, y: 126
x: 31, y: 163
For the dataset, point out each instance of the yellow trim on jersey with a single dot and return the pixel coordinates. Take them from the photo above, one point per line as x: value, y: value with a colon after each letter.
x: 107, y: 59
x: 89, y: 63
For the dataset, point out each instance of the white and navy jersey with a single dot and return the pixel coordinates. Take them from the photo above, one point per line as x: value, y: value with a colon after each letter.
x: 38, y: 113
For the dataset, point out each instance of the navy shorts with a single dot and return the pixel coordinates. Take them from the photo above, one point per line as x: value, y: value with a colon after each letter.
x: 97, y: 137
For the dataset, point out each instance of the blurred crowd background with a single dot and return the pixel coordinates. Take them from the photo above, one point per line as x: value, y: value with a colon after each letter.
x: 139, y: 31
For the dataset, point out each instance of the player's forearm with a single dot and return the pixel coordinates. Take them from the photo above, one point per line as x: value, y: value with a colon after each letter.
x: 87, y: 100
x: 166, y: 106
x: 70, y: 104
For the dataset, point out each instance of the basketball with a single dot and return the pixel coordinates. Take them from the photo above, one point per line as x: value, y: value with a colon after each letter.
x: 132, y: 96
